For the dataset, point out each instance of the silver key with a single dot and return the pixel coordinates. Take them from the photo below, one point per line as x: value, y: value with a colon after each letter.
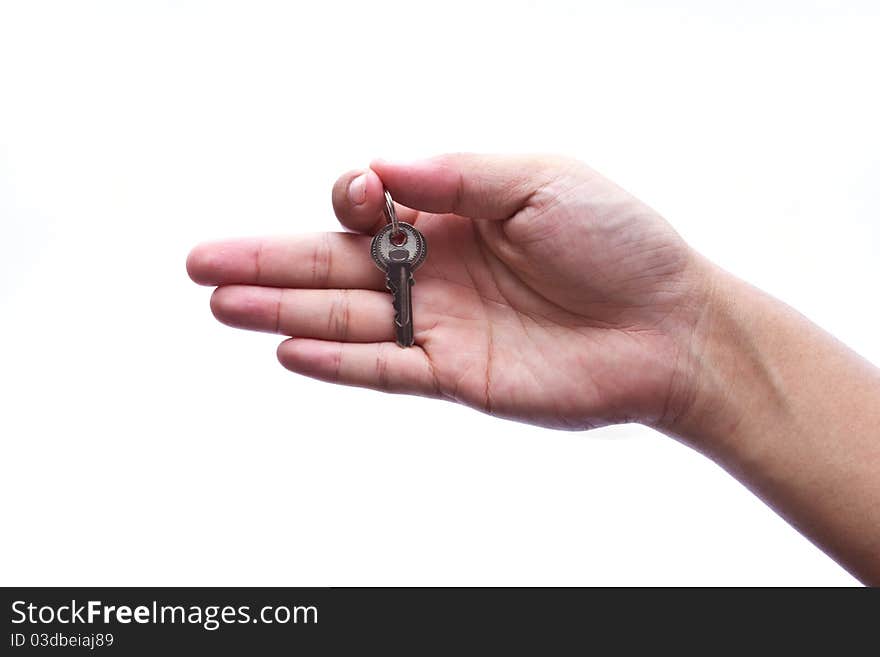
x: 399, y: 257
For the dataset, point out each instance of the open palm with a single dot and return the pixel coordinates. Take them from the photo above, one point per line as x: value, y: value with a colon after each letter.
x: 549, y: 294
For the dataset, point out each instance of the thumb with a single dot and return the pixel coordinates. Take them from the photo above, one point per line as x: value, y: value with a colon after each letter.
x: 468, y: 184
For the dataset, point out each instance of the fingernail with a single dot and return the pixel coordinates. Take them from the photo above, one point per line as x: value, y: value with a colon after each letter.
x: 357, y: 189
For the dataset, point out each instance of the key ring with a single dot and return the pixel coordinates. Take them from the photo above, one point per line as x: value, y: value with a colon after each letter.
x: 392, y: 215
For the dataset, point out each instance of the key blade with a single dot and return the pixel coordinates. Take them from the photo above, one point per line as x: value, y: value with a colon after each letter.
x: 399, y: 283
x: 404, y: 310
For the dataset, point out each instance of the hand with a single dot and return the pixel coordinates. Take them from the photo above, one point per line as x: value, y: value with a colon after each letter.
x: 549, y: 295
x: 553, y: 297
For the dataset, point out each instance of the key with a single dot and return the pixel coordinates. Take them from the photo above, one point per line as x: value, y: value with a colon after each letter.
x: 399, y: 256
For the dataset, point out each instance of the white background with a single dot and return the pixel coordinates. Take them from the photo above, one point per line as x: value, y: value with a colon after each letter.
x: 144, y: 443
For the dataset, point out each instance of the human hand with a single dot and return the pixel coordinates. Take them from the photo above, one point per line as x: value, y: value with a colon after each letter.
x: 549, y: 296
x: 552, y: 296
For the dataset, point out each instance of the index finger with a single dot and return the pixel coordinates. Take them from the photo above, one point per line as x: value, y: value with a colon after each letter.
x: 320, y: 260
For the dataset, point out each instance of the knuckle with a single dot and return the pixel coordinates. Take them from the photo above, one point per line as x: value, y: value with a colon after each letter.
x: 340, y: 315
x: 322, y: 262
x: 336, y: 364
x: 383, y: 381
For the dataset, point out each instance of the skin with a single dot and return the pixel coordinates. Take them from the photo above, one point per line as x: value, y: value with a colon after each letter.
x: 552, y: 296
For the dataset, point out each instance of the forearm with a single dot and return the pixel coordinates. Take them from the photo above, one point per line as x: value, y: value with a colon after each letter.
x: 793, y: 414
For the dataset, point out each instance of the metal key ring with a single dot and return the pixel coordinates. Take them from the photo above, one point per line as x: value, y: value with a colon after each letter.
x: 391, y: 213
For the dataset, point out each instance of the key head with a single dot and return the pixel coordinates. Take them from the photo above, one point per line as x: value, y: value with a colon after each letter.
x: 411, y: 249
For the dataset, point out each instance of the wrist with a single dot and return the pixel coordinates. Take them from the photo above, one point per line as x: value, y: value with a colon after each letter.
x: 729, y: 384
